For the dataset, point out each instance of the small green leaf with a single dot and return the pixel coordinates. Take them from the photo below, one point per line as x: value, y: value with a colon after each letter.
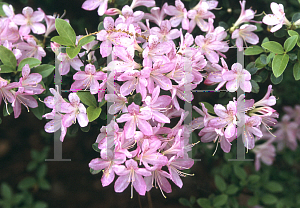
x: 264, y: 75
x: 204, y: 203
x: 62, y: 41
x: 32, y: 62
x: 94, y: 172
x: 87, y: 98
x: 220, y: 183
x: 279, y: 64
x: 86, y: 40
x: 273, y: 47
x: 270, y: 57
x: 290, y: 43
x: 239, y: 172
x: 65, y: 30
x: 292, y: 33
x: 73, y: 51
x: 6, y: 191
x: 254, y: 178
x: 255, y: 86
x: 232, y: 189
x: 276, y: 80
x: 292, y: 56
x: 266, y: 39
x: 296, y: 17
x: 26, y: 183
x: 45, y: 70
x: 269, y: 199
x: 39, y: 111
x: 296, y: 71
x: 252, y: 201
x: 137, y: 99
x: 254, y: 50
x: 220, y: 200
x: 259, y: 64
x: 41, y: 171
x: 86, y: 128
x: 17, y: 198
x: 208, y: 106
x: 251, y: 68
x: 256, y: 78
x: 273, y: 187
x: 31, y: 166
x: 101, y: 26
x: 184, y: 202
x: 7, y: 57
x: 44, y: 184
x: 40, y: 204
x: 263, y: 59
x: 93, y: 113
x: 95, y: 147
x: 7, y: 69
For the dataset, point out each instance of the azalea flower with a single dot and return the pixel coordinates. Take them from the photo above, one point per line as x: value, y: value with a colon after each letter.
x: 66, y: 62
x: 93, y: 4
x: 179, y: 14
x: 245, y: 15
x: 237, y: 77
x: 265, y: 152
x: 30, y: 21
x: 146, y: 3
x: 245, y: 34
x: 277, y: 19
x: 31, y: 49
x: 157, y: 15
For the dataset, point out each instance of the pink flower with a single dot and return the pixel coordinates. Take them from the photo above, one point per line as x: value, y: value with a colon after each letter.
x: 164, y: 33
x: 93, y: 4
x: 87, y: 79
x: 157, y: 15
x: 146, y: 3
x: 267, y: 100
x: 8, y: 31
x: 179, y: 13
x: 74, y: 110
x: 5, y: 92
x: 55, y: 124
x: 215, y: 77
x: 66, y: 62
x: 29, y: 82
x: 245, y: 16
x: 245, y: 34
x: 31, y: 49
x: 277, y: 19
x: 264, y: 152
x: 30, y: 21
x: 119, y: 103
x: 237, y: 77
x: 135, y: 118
x: 131, y: 174
x: 26, y: 99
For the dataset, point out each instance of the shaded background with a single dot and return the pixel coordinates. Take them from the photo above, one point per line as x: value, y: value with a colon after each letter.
x: 72, y: 184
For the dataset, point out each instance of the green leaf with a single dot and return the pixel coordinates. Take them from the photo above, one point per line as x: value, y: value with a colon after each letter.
x: 31, y: 166
x: 252, y: 201
x: 7, y: 57
x: 251, y: 68
x: 232, y: 189
x: 263, y: 59
x: 204, y: 202
x: 44, y: 184
x: 292, y: 56
x: 101, y: 26
x: 6, y: 191
x: 95, y: 147
x: 0, y: 121
x: 256, y: 78
x: 7, y: 69
x: 86, y: 128
x: 32, y: 62
x: 45, y: 70
x: 62, y: 41
x: 273, y: 187
x: 273, y: 47
x: 259, y: 64
x: 184, y: 202
x: 254, y: 50
x: 17, y: 198
x: 220, y: 200
x: 275, y: 80
x: 40, y: 204
x: 296, y: 71
x: 65, y: 30
x: 290, y: 43
x: 255, y: 86
x: 292, y: 33
x: 87, y: 98
x: 264, y: 75
x: 93, y: 113
x: 220, y: 183
x: 268, y: 199
x: 208, y: 106
x: 86, y: 40
x: 239, y: 172
x: 266, y: 39
x: 39, y: 111
x: 26, y: 183
x: 73, y: 51
x: 254, y: 178
x: 94, y: 172
x: 137, y: 99
x: 41, y: 171
x: 270, y: 57
x: 279, y: 64
x: 296, y: 17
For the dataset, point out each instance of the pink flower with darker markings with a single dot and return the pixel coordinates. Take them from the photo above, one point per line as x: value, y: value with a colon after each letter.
x: 5, y: 92
x: 245, y: 15
x: 30, y: 49
x: 131, y: 174
x: 245, y: 34
x: 88, y: 79
x: 66, y: 62
x: 136, y: 118
x: 164, y: 33
x: 277, y: 19
x: 215, y: 76
x: 157, y: 15
x: 265, y: 153
x: 29, y: 82
x: 237, y: 77
x: 179, y: 14
x: 30, y: 21
x: 74, y: 111
x: 8, y: 31
x: 146, y: 3
x: 93, y: 4
x: 55, y: 124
